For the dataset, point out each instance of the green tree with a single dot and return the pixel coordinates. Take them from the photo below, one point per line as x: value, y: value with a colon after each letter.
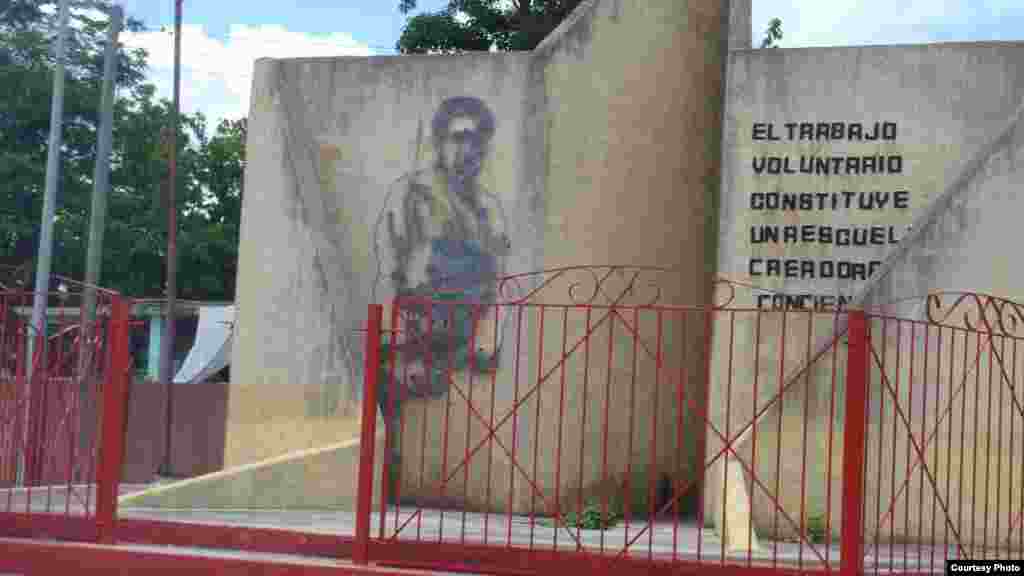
x: 480, y: 25
x: 211, y: 227
x: 209, y: 166
x: 773, y: 34
x: 26, y: 76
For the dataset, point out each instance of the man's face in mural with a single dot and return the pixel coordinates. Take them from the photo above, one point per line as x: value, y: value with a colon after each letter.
x: 462, y: 130
x: 461, y: 150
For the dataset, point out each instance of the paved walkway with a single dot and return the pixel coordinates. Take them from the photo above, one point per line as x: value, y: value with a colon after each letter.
x: 663, y: 539
x: 57, y: 499
x: 685, y: 539
x: 49, y: 555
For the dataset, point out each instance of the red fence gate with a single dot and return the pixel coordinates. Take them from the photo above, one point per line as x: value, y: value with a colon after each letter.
x: 945, y: 463
x: 610, y: 432
x: 62, y: 414
x: 620, y: 434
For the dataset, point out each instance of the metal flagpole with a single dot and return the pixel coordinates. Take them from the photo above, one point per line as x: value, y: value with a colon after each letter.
x: 101, y: 180
x: 167, y: 345
x: 52, y: 174
x: 42, y: 287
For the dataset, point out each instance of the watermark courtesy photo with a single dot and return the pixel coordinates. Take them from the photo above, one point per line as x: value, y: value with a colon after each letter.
x: 984, y: 566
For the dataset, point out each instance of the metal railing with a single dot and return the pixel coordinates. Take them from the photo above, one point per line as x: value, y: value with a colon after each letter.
x: 631, y: 435
x: 62, y: 415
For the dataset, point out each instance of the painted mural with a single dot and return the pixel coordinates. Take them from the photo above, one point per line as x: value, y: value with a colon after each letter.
x: 442, y: 236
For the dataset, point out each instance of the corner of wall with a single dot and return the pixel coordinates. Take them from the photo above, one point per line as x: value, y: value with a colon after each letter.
x: 741, y: 25
x: 584, y: 10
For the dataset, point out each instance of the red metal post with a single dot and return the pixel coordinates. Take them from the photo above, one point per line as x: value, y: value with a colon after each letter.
x: 851, y: 545
x: 113, y: 412
x: 20, y: 420
x: 36, y: 436
x: 364, y: 496
x: 388, y: 413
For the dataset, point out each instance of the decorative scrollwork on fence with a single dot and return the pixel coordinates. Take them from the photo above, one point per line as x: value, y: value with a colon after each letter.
x: 976, y: 312
x: 604, y: 285
x: 586, y: 285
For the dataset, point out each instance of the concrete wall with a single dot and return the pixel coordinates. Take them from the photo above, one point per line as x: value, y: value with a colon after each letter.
x: 331, y: 143
x: 603, y: 151
x: 581, y: 140
x: 632, y: 178
x: 974, y: 451
x: 944, y: 103
x: 741, y: 14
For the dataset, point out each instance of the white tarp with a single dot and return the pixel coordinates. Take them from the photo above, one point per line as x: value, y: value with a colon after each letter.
x: 211, y: 350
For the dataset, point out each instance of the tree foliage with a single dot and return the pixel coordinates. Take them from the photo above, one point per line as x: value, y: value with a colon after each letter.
x: 480, y: 25
x: 210, y: 165
x: 773, y: 34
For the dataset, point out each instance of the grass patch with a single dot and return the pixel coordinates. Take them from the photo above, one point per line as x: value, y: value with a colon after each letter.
x: 817, y: 529
x: 591, y: 517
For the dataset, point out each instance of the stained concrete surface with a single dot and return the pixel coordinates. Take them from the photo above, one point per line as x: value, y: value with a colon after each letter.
x: 54, y: 499
x: 327, y: 476
x: 280, y: 560
x: 691, y: 543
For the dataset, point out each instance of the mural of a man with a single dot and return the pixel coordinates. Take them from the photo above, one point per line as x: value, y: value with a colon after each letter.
x: 442, y: 236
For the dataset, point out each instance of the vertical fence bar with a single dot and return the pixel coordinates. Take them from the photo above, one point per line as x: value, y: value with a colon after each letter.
x: 515, y: 421
x: 631, y: 423
x: 702, y: 434
x: 400, y: 377
x: 113, y: 421
x: 423, y: 343
x: 852, y: 537
x: 446, y: 476
x: 680, y: 433
x: 558, y: 510
x: 654, y: 464
x: 470, y: 381
x: 389, y: 410
x: 34, y: 438
x: 18, y: 441
x: 364, y: 496
x: 583, y: 425
x: 492, y: 367
x: 828, y: 456
x: 532, y: 480
x: 753, y: 429
x: 778, y: 436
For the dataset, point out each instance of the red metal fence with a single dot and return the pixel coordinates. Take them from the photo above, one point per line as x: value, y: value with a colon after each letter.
x: 62, y: 414
x: 605, y: 431
x: 944, y: 462
x: 620, y: 434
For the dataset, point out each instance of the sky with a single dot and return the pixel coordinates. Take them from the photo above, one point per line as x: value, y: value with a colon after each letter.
x: 222, y: 38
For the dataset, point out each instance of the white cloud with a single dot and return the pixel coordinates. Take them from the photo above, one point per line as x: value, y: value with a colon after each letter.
x: 807, y: 23
x: 216, y: 75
